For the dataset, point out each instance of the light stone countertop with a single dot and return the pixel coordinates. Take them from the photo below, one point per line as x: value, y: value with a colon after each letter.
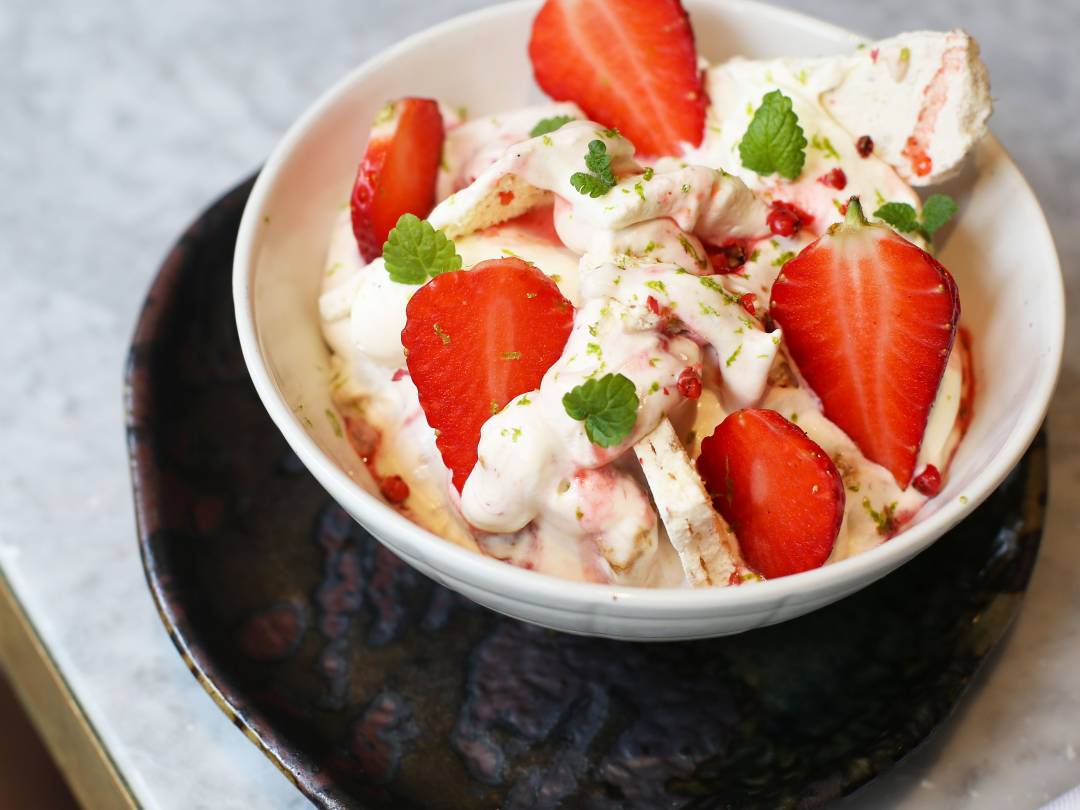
x: 121, y: 120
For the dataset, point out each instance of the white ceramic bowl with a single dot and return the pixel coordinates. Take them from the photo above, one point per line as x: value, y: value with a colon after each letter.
x: 1000, y: 251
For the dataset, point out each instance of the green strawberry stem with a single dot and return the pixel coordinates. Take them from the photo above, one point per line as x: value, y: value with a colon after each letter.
x: 855, y: 218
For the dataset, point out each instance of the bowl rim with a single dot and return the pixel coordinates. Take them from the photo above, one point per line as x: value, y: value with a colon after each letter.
x: 545, y: 590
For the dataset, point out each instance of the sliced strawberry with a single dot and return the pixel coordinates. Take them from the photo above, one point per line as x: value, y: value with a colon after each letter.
x: 398, y: 171
x: 475, y: 340
x: 870, y: 319
x: 629, y: 64
x: 778, y: 490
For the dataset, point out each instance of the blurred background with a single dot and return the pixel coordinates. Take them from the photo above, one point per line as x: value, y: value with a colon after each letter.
x: 120, y: 120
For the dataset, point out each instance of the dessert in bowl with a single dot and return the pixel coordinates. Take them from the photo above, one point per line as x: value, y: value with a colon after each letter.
x: 654, y: 404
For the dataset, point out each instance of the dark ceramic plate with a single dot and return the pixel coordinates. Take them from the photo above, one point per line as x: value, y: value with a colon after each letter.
x: 372, y: 687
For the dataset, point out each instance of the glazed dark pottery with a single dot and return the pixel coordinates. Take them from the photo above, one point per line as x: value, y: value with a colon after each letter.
x: 372, y: 687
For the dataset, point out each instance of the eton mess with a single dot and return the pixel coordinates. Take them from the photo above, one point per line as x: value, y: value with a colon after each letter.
x: 682, y: 326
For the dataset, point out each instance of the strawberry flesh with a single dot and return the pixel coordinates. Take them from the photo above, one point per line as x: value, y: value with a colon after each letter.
x: 629, y: 64
x: 477, y: 338
x: 397, y: 173
x: 870, y: 319
x: 778, y: 490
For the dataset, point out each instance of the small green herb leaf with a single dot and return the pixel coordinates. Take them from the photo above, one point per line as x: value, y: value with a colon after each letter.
x: 589, y: 185
x: 598, y: 161
x: 774, y: 141
x: 546, y: 125
x: 415, y: 251
x: 900, y: 215
x: 937, y: 210
x: 600, y: 179
x: 608, y: 407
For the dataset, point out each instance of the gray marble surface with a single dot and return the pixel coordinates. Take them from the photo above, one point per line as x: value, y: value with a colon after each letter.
x: 120, y: 120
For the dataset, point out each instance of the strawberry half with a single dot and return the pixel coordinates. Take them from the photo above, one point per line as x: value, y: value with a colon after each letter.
x: 629, y: 64
x: 777, y: 489
x: 475, y: 339
x: 870, y: 319
x: 398, y: 171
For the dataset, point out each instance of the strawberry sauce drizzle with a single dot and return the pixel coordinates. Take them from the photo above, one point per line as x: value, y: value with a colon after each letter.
x: 538, y: 222
x: 917, y: 147
x: 967, y: 393
x: 365, y: 441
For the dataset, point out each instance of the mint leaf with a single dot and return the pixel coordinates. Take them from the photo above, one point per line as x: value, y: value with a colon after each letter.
x: 936, y: 211
x: 608, y: 407
x: 900, y: 215
x: 415, y: 251
x: 598, y: 162
x: 589, y: 185
x: 546, y: 125
x: 774, y: 141
x: 600, y: 179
